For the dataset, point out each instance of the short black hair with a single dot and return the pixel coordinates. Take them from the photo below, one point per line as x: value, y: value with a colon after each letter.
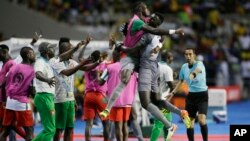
x: 191, y: 48
x: 96, y: 55
x: 5, y: 47
x: 63, y: 46
x: 24, y: 52
x: 63, y: 40
x: 163, y: 56
x: 161, y: 17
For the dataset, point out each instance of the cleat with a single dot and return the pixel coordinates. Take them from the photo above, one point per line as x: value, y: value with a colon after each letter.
x: 171, y: 132
x: 185, y: 118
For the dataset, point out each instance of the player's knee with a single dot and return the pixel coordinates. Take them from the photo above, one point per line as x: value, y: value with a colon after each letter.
x: 144, y: 105
x: 202, y: 119
x: 192, y: 124
x: 118, y: 131
x: 119, y: 128
x: 134, y: 115
x: 202, y: 122
x: 5, y: 132
x: 125, y: 131
x: 89, y: 125
x: 29, y: 134
x: 145, y: 99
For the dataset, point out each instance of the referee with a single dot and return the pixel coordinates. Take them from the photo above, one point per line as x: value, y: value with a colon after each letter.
x: 194, y: 74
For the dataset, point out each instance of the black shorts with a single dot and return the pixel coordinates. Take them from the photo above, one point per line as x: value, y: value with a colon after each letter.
x: 197, y: 102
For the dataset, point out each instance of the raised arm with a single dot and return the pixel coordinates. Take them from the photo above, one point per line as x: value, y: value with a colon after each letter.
x: 35, y: 38
x: 64, y: 56
x: 72, y: 70
x: 81, y: 53
x: 90, y: 66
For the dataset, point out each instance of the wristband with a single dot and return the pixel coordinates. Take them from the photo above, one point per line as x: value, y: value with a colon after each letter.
x: 171, y: 31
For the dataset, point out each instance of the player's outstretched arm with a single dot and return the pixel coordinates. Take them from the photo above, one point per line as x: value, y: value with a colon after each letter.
x: 160, y: 31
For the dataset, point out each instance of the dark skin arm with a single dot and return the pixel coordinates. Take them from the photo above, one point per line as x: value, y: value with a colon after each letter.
x: 90, y: 66
x: 71, y: 71
x: 3, y: 83
x: 80, y: 56
x: 35, y: 38
x: 64, y: 56
x: 175, y: 89
x: 40, y: 76
x: 81, y: 66
x: 2, y: 88
x: 159, y: 31
x: 135, y: 50
x: 32, y: 91
x: 171, y: 86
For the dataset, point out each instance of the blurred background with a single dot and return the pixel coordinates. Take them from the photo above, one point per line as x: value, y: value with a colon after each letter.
x: 218, y: 29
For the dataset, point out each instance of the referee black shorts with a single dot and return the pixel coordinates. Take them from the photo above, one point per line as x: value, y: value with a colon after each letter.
x: 197, y: 102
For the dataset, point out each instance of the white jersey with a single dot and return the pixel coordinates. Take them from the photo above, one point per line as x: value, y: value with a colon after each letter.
x: 64, y: 84
x: 43, y: 66
x: 166, y: 75
x: 152, y: 42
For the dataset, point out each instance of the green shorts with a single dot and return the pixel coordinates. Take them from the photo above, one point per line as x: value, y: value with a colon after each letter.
x: 65, y: 114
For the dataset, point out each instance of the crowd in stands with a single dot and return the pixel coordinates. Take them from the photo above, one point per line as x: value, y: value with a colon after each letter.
x: 107, y: 12
x: 218, y: 29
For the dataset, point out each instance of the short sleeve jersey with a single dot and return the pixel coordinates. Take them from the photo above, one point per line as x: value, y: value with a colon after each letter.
x: 198, y: 84
x: 65, y: 84
x: 43, y: 66
x: 166, y: 75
